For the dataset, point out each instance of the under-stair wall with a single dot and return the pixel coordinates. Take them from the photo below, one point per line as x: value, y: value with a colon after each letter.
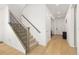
x: 8, y: 36
x: 13, y: 40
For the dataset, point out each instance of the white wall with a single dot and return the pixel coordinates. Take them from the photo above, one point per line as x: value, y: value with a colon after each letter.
x: 7, y: 35
x: 16, y: 8
x: 1, y: 24
x: 48, y: 24
x: 77, y: 28
x: 59, y: 24
x: 70, y: 26
x: 39, y: 15
x: 36, y: 14
x: 12, y: 40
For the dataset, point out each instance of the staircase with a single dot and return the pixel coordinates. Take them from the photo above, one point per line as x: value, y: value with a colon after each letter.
x: 24, y: 35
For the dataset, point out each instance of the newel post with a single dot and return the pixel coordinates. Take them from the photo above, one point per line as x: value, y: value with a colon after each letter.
x: 28, y: 38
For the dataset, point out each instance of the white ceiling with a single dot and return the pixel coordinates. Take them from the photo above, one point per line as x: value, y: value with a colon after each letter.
x: 58, y: 11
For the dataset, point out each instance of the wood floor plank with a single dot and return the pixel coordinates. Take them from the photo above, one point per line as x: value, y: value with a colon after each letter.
x: 56, y: 46
x: 7, y: 50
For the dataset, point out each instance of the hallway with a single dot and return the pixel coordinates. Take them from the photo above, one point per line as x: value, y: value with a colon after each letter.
x: 57, y: 46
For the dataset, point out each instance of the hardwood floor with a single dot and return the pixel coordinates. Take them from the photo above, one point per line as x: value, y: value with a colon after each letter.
x: 7, y: 50
x: 56, y: 46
